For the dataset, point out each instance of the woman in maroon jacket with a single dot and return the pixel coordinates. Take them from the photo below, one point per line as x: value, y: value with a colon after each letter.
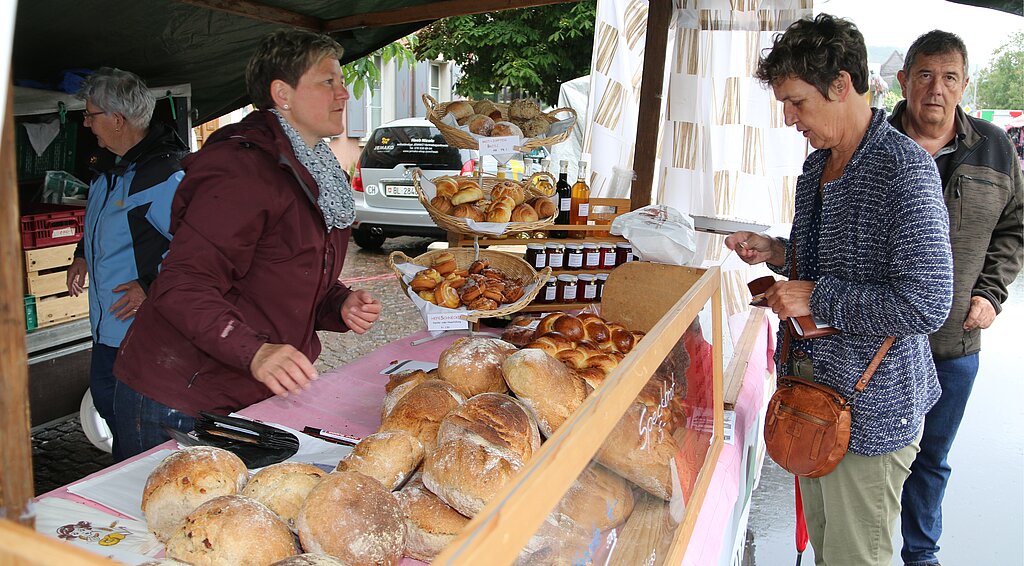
x: 261, y: 225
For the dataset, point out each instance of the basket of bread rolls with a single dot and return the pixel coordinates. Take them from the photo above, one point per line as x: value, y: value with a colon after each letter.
x: 482, y: 283
x: 463, y: 122
x: 504, y: 205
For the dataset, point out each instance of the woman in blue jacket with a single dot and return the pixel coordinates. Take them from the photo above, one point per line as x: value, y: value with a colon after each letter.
x: 136, y: 173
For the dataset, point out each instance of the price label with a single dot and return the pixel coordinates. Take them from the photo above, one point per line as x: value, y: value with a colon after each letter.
x: 502, y: 145
x: 446, y: 321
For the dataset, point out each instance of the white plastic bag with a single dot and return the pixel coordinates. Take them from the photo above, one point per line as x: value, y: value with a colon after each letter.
x: 658, y: 233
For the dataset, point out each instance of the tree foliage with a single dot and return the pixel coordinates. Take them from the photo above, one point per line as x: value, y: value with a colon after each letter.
x: 530, y: 51
x: 362, y: 75
x: 1001, y: 84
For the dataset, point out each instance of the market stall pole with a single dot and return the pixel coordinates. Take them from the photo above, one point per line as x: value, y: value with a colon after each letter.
x: 659, y: 16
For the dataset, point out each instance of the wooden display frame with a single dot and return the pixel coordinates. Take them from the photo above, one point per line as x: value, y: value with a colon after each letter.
x: 673, y: 297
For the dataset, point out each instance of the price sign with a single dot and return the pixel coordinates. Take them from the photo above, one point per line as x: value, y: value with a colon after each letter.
x: 446, y: 321
x: 502, y: 145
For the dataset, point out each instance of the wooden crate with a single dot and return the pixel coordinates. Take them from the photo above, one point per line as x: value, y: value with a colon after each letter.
x: 48, y: 282
x: 61, y: 308
x: 49, y: 258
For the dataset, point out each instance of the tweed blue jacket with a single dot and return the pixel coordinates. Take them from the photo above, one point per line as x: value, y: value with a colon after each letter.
x: 884, y: 269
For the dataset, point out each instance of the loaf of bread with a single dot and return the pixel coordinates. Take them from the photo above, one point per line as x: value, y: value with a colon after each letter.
x: 545, y: 386
x: 558, y: 542
x: 400, y: 383
x: 481, y: 446
x: 354, y: 518
x: 599, y: 499
x: 535, y: 127
x: 481, y: 124
x: 519, y: 332
x: 641, y: 450
x: 283, y: 487
x: 389, y: 457
x: 185, y: 480
x: 421, y: 410
x: 309, y: 560
x: 523, y: 109
x: 232, y: 529
x: 473, y: 365
x: 430, y: 524
x: 462, y: 109
x: 502, y: 129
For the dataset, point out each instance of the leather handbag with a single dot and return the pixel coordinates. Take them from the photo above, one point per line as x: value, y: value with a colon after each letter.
x: 807, y: 425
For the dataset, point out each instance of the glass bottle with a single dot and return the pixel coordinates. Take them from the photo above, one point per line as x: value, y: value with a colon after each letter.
x: 580, y: 203
x: 541, y: 184
x: 564, y: 196
x: 502, y: 171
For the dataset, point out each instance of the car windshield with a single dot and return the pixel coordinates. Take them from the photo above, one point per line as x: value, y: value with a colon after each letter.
x: 422, y: 146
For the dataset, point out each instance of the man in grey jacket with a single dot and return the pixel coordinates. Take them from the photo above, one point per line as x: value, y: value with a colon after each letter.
x: 983, y: 187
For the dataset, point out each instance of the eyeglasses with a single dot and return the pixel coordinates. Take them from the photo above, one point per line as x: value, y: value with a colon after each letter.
x: 91, y: 115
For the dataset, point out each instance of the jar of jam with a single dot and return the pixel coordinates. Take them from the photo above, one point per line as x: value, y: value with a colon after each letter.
x: 607, y: 255
x: 555, y: 255
x: 567, y: 287
x: 536, y: 256
x: 548, y: 292
x: 587, y: 285
x: 623, y: 253
x: 591, y: 256
x: 574, y: 256
x: 601, y: 278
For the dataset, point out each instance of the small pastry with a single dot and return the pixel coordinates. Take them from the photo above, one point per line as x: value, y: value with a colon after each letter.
x: 427, y: 296
x: 478, y: 265
x: 468, y: 210
x: 524, y: 213
x: 425, y: 280
x: 471, y: 291
x: 446, y: 187
x: 510, y: 189
x: 445, y: 264
x: 483, y: 304
x: 467, y: 195
x: 443, y: 204
x: 513, y: 292
x: 446, y: 296
x: 545, y: 207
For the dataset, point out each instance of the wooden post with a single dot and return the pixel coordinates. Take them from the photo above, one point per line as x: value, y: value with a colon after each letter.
x: 648, y: 123
x: 16, y: 486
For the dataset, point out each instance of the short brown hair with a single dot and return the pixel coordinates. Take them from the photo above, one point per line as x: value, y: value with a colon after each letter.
x: 815, y: 51
x: 286, y: 55
x: 935, y: 42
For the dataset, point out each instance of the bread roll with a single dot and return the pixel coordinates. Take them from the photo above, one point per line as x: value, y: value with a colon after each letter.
x: 445, y: 295
x: 468, y: 211
x: 232, y: 529
x: 420, y: 411
x: 481, y: 446
x: 354, y: 518
x: 389, y: 457
x: 425, y: 280
x: 622, y: 339
x: 545, y: 207
x: 545, y: 386
x: 400, y: 383
x: 565, y: 324
x: 430, y: 524
x: 502, y: 129
x: 536, y: 127
x: 442, y: 204
x: 283, y: 487
x: 462, y: 110
x: 473, y: 365
x: 481, y: 124
x: 467, y: 195
x: 523, y: 109
x: 186, y: 479
x: 509, y: 189
x: 501, y: 210
x: 641, y: 450
x: 524, y: 213
x: 309, y: 560
x: 599, y: 499
x: 445, y: 187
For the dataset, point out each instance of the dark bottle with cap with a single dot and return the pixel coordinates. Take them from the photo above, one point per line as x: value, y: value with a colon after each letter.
x: 563, y: 192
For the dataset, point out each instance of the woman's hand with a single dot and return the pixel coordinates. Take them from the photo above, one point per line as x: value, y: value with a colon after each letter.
x: 790, y: 298
x: 756, y: 248
x: 125, y: 307
x: 282, y: 368
x: 77, y: 272
x: 360, y: 310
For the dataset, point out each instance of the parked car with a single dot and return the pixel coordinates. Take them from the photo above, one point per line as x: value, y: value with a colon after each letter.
x: 385, y: 198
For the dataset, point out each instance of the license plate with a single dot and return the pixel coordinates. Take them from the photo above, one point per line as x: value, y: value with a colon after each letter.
x: 400, y: 191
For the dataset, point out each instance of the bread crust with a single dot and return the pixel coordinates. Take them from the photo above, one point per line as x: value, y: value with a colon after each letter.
x: 389, y: 457
x: 232, y: 529
x: 545, y: 386
x: 421, y: 410
x: 282, y: 487
x: 473, y: 365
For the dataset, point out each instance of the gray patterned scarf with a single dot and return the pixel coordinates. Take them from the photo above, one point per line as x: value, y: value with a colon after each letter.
x: 335, y: 198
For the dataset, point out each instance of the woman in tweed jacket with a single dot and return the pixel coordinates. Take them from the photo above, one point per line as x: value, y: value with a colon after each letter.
x: 871, y: 243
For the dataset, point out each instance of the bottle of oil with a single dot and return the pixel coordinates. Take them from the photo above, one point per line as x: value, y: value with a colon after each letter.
x: 580, y: 203
x: 541, y: 183
x: 564, y: 196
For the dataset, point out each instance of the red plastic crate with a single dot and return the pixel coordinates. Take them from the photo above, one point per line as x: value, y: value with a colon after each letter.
x: 52, y: 225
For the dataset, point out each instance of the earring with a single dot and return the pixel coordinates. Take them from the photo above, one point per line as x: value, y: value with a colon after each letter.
x: 286, y: 107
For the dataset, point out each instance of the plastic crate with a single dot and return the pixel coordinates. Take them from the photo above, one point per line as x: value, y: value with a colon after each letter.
x: 59, y: 155
x: 52, y: 225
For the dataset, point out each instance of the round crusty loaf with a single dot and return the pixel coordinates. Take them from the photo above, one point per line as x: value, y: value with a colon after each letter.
x: 400, y: 383
x: 283, y: 487
x: 232, y: 529
x: 645, y: 458
x: 462, y: 109
x: 599, y: 499
x: 354, y: 518
x: 480, y: 447
x: 309, y: 559
x: 389, y: 457
x: 473, y: 365
x: 186, y: 479
x: 545, y: 386
x: 430, y: 524
x: 420, y: 412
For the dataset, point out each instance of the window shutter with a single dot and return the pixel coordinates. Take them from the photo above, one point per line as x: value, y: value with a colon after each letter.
x: 355, y: 116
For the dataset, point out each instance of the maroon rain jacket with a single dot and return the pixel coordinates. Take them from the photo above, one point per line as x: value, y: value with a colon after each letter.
x: 251, y: 262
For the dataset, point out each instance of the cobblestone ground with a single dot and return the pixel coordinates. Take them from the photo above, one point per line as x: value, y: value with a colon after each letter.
x: 62, y: 454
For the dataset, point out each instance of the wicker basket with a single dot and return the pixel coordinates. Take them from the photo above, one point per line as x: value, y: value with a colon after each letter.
x: 487, y: 182
x: 511, y: 265
x: 465, y: 140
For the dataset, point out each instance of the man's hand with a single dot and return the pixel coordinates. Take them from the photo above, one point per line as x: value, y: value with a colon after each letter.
x: 981, y: 315
x: 76, y: 276
x: 756, y: 248
x: 125, y: 307
x: 360, y: 310
x: 282, y: 368
x: 790, y: 298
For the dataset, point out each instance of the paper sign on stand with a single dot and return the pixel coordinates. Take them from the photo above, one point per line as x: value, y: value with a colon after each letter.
x: 503, y: 148
x: 446, y: 321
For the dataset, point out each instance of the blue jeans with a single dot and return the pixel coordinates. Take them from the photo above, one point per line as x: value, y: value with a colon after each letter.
x: 923, y: 491
x: 140, y: 422
x: 102, y: 380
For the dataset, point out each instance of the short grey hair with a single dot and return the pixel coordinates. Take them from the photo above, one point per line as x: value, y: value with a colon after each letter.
x: 114, y: 90
x: 935, y: 42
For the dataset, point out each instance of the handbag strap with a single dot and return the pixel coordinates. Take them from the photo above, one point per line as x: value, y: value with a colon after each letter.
x: 868, y: 372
